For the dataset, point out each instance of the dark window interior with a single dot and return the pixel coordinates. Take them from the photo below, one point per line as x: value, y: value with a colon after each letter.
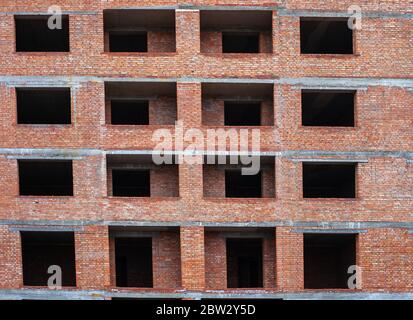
x: 131, y: 183
x: 125, y: 112
x: 244, y: 263
x: 240, y: 42
x: 43, y: 106
x: 34, y: 35
x: 325, y: 36
x: 45, y: 177
x: 242, y: 186
x: 326, y: 260
x: 327, y: 108
x: 242, y: 113
x: 133, y: 262
x: 40, y: 250
x: 329, y: 180
x: 128, y: 41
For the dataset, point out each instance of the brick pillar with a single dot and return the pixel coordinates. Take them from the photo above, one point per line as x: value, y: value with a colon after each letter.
x: 288, y: 182
x: 11, y: 273
x: 192, y: 258
x: 86, y: 36
x: 276, y: 35
x: 188, y: 31
x: 7, y: 31
x: 289, y: 260
x: 112, y: 261
x: 189, y: 112
x: 269, y: 262
x: 189, y: 103
x: 92, y: 258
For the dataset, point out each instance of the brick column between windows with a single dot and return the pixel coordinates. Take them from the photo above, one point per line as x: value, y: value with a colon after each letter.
x: 192, y: 258
x: 289, y: 260
x: 11, y: 273
x: 188, y: 31
x: 92, y: 258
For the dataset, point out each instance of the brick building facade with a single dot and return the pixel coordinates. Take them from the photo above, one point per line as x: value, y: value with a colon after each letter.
x: 330, y: 194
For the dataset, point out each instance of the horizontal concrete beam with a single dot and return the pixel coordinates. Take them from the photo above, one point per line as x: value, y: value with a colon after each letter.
x: 302, y: 82
x: 45, y: 294
x: 330, y: 231
x: 303, y: 155
x: 344, y: 14
x: 330, y: 160
x: 38, y: 13
x: 348, y: 225
x: 46, y: 228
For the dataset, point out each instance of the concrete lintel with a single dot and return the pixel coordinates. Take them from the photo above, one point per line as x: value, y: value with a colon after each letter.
x: 36, y: 157
x: 51, y: 152
x: 45, y: 294
x: 330, y: 160
x: 143, y: 8
x: 43, y: 13
x: 343, y: 14
x: 223, y: 224
x: 46, y: 228
x: 228, y: 8
x: 43, y: 153
x: 345, y: 82
x: 352, y: 83
x: 330, y: 231
x: 338, y: 88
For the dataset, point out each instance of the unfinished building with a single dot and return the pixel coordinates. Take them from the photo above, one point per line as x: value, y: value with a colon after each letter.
x: 304, y: 192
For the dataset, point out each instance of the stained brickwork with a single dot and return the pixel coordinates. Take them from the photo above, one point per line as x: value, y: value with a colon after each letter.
x: 191, y: 197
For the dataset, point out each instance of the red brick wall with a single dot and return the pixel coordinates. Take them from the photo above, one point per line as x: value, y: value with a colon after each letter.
x: 161, y: 41
x: 383, y: 124
x: 289, y: 260
x: 192, y: 258
x: 11, y: 273
x: 386, y: 260
x: 92, y: 258
x: 166, y: 260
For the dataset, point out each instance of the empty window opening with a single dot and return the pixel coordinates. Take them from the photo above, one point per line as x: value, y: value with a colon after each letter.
x: 237, y: 104
x: 140, y: 103
x: 329, y: 180
x: 45, y: 177
x: 327, y: 258
x: 124, y: 112
x: 242, y: 113
x: 43, y: 105
x: 327, y: 108
x: 128, y: 41
x: 135, y: 30
x: 236, y: 31
x: 34, y: 35
x: 40, y: 250
x: 238, y: 185
x: 244, y: 263
x: 326, y: 36
x: 240, y: 42
x: 133, y: 262
x: 131, y: 183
